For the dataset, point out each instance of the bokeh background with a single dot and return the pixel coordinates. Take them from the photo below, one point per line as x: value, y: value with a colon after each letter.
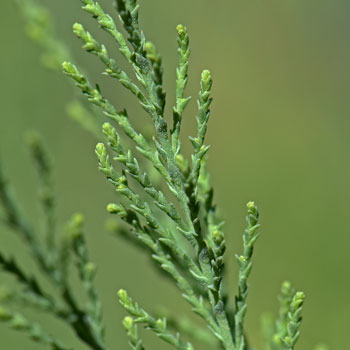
x: 279, y: 133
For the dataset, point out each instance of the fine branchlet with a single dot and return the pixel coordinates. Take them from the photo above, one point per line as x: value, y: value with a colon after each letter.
x: 132, y: 332
x: 158, y: 326
x: 53, y: 260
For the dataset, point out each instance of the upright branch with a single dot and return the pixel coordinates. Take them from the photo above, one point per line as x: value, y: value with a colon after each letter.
x: 245, y: 265
x: 52, y: 260
x: 129, y: 14
x: 285, y: 300
x: 178, y: 225
x: 144, y: 72
x: 157, y: 71
x: 121, y: 118
x: 87, y: 271
x: 131, y: 329
x: 204, y: 101
x: 200, y: 150
x: 158, y: 326
x: 294, y: 321
x: 284, y: 334
x: 181, y: 82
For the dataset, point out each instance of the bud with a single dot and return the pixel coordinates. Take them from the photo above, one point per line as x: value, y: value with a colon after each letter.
x: 298, y: 299
x: 69, y: 68
x: 251, y: 205
x: 108, y: 129
x: 206, y: 81
x: 161, y: 323
x: 286, y: 288
x: 128, y: 322
x: 78, y: 29
x: 150, y: 51
x: 181, y: 162
x: 181, y: 30
x: 242, y: 259
x: 90, y: 269
x: 112, y: 208
x: 75, y: 226
x: 123, y: 296
x: 277, y: 339
x: 218, y: 236
x: 100, y: 149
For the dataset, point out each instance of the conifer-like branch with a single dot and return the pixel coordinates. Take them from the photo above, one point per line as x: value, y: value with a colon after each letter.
x: 87, y: 271
x: 181, y: 82
x: 245, y: 265
x: 131, y: 330
x: 159, y: 326
x: 294, y: 321
x: 172, y: 216
x: 285, y: 300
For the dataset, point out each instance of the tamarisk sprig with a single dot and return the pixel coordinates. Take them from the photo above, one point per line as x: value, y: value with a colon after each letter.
x: 138, y: 61
x: 285, y: 300
x: 129, y: 15
x: 180, y: 229
x: 143, y: 70
x: 294, y: 321
x: 145, y: 235
x: 133, y: 169
x: 204, y: 101
x: 245, y: 265
x: 50, y: 261
x: 87, y: 272
x: 187, y: 327
x: 284, y: 334
x: 143, y: 208
x: 157, y: 70
x: 95, y: 97
x: 159, y: 326
x: 207, y: 270
x: 131, y: 330
x: 181, y: 82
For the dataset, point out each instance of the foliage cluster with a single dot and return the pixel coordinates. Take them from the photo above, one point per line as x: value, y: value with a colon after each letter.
x: 165, y: 201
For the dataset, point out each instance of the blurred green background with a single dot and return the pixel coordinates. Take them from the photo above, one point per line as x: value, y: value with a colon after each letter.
x: 279, y: 133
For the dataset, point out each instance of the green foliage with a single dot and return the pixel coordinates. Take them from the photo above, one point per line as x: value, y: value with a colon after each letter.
x: 170, y: 214
x: 52, y: 257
